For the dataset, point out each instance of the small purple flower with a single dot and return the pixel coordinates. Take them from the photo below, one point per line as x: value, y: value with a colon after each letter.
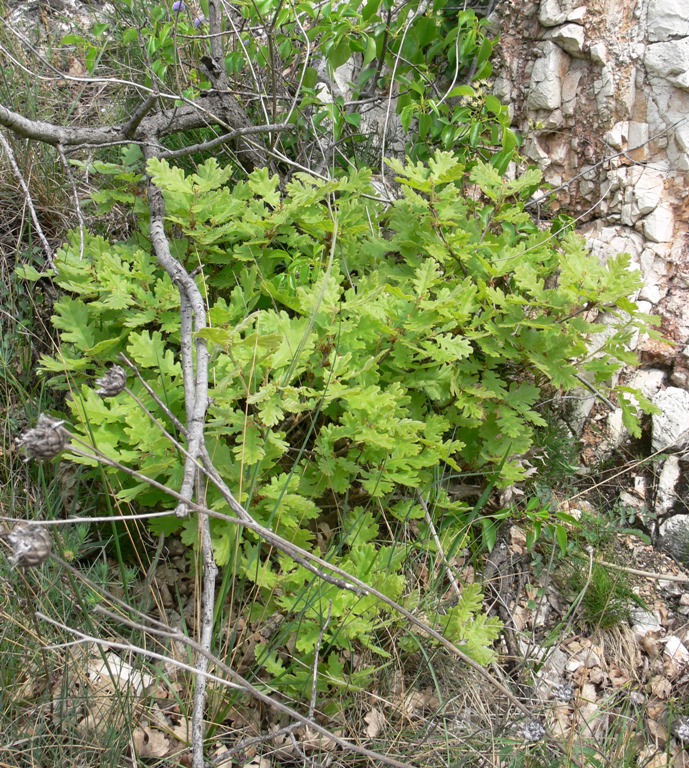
x: 178, y: 6
x: 198, y: 23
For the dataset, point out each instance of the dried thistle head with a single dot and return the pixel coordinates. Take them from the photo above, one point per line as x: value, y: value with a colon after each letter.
x: 112, y: 383
x: 532, y: 731
x: 564, y: 693
x: 680, y: 729
x: 45, y: 441
x: 31, y: 544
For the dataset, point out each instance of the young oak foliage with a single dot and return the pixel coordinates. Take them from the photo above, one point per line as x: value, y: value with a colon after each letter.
x: 350, y: 363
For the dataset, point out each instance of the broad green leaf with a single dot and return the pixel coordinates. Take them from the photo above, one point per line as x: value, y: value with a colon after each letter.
x: 72, y: 318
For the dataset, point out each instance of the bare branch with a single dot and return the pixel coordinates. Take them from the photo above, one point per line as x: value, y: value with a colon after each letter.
x: 139, y: 113
x: 211, y: 110
x: 56, y: 134
x: 195, y: 370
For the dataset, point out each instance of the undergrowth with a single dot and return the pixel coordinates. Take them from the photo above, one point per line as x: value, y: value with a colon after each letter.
x: 356, y: 349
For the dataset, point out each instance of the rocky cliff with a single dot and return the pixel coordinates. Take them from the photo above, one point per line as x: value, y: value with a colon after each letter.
x: 600, y: 91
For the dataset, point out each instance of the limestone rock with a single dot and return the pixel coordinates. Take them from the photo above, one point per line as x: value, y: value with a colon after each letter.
x: 599, y: 54
x: 550, y: 13
x: 617, y: 136
x: 666, y: 494
x: 570, y: 37
x: 554, y: 12
x: 607, y: 89
x: 570, y: 88
x: 667, y: 20
x: 654, y: 270
x: 659, y: 225
x: 648, y: 381
x: 637, y: 141
x: 670, y: 61
x: 648, y: 191
x: 682, y: 142
x: 546, y: 78
x: 670, y: 427
x: 607, y: 242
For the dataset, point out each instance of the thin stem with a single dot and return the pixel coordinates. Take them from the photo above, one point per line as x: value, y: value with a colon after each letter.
x: 27, y: 198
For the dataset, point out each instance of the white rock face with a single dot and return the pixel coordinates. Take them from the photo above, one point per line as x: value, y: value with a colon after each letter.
x: 648, y: 190
x: 666, y: 20
x: 666, y: 497
x: 605, y: 114
x: 343, y: 77
x: 682, y: 137
x: 654, y: 270
x: 670, y: 427
x: 659, y: 226
x: 606, y: 242
x: 670, y: 61
x: 637, y: 141
x: 545, y: 91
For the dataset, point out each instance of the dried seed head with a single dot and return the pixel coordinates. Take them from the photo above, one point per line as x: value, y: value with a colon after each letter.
x: 680, y: 729
x: 45, y: 440
x: 564, y: 692
x: 533, y: 731
x: 31, y: 544
x: 112, y: 383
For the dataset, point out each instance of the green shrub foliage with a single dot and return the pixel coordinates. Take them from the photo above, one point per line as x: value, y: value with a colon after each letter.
x: 358, y: 351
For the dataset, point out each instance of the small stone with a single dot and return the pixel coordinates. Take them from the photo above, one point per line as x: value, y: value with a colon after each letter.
x: 31, y: 545
x: 599, y: 54
x: 112, y: 383
x: 644, y: 622
x: 45, y: 441
x: 570, y: 37
x: 675, y: 650
x: 550, y: 13
x: 637, y: 698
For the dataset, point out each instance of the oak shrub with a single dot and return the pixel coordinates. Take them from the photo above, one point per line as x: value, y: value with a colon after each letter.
x: 361, y: 353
